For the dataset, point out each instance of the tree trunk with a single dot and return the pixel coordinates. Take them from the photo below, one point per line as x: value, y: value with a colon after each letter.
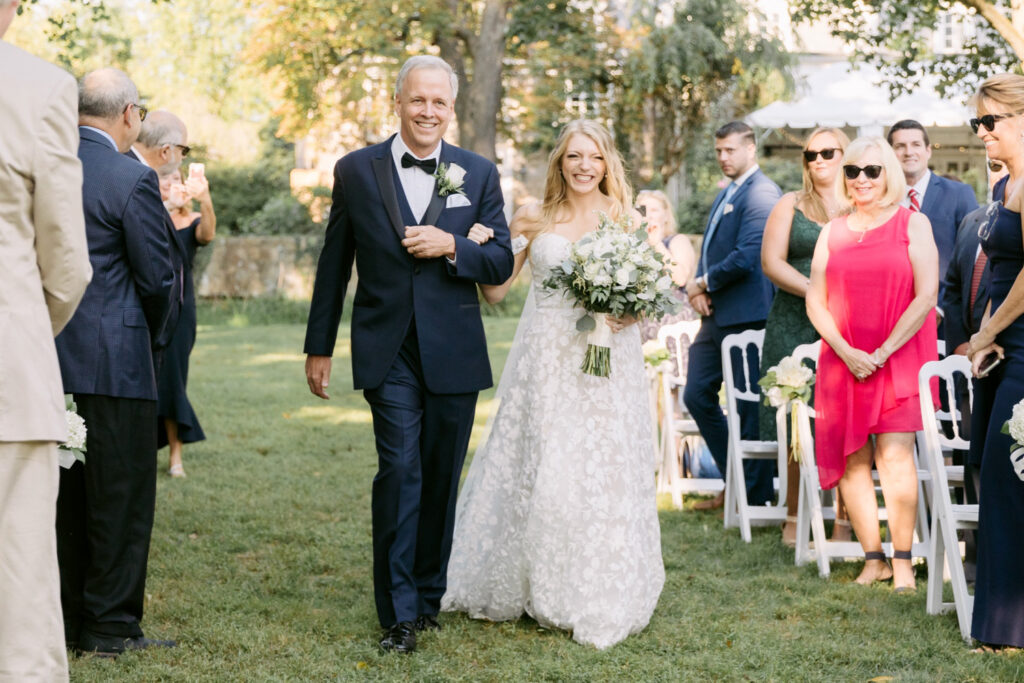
x: 1006, y: 28
x: 479, y: 99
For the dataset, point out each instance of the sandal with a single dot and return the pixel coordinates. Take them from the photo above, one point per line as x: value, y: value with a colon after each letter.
x: 879, y: 556
x: 908, y: 556
x: 177, y: 471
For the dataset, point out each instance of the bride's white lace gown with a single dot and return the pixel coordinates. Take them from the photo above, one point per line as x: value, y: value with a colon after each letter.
x: 558, y: 517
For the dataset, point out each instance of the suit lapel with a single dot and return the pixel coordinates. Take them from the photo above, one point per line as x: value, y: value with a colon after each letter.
x: 932, y: 196
x: 437, y: 202
x: 386, y: 185
x: 714, y: 207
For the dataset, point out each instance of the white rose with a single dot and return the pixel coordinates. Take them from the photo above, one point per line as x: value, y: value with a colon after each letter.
x: 775, y: 397
x: 602, y: 280
x: 1016, y: 423
x: 76, y: 430
x: 591, y: 270
x: 622, y: 277
x: 456, y: 174
x: 792, y: 373
x: 652, y: 346
x: 664, y: 282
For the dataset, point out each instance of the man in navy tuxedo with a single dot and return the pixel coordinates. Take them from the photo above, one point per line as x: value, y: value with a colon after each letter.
x: 732, y: 294
x: 105, y: 507
x: 945, y: 202
x: 401, y: 210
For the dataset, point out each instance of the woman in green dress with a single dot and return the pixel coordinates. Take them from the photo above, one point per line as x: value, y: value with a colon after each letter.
x: 786, y: 250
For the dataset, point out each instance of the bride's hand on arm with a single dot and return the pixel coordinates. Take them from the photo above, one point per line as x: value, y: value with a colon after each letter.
x: 525, y: 222
x: 619, y: 324
x: 480, y: 233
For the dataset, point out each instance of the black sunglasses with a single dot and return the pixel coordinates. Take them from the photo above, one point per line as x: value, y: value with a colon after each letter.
x: 995, y: 166
x: 852, y: 172
x: 989, y: 121
x: 826, y: 154
x: 185, y: 149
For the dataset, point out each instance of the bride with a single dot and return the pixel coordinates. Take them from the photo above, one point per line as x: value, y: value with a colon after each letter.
x: 557, y: 517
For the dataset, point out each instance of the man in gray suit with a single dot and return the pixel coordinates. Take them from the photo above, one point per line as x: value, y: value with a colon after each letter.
x: 45, y: 262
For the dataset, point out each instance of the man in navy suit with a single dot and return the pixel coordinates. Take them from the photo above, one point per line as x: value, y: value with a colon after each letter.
x: 105, y: 507
x: 945, y: 202
x: 732, y: 294
x: 418, y: 347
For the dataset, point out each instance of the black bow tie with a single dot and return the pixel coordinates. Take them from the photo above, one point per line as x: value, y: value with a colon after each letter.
x: 428, y: 165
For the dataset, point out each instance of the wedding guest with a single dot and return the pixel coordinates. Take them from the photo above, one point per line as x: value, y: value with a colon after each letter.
x: 789, y: 238
x: 177, y: 421
x: 678, y: 253
x: 998, y: 588
x: 161, y: 146
x: 944, y: 201
x: 964, y: 299
x: 46, y: 268
x: 874, y: 281
x: 105, y: 507
x: 418, y: 347
x: 732, y: 295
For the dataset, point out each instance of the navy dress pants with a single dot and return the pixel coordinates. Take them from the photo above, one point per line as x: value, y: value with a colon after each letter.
x: 703, y: 384
x: 421, y: 445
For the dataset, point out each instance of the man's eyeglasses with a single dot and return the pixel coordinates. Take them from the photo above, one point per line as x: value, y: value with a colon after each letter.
x: 185, y: 149
x: 142, y: 110
x: 826, y: 154
x: 989, y: 121
x: 995, y: 166
x: 853, y: 172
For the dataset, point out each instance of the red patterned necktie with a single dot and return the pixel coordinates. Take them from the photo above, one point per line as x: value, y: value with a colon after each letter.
x: 979, y: 268
x: 915, y: 203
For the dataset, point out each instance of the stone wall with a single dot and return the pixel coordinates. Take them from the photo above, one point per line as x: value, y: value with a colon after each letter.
x: 258, y: 266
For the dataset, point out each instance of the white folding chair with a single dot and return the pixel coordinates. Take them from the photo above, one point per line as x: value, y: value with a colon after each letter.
x: 947, y: 517
x: 815, y: 507
x: 737, y: 511
x: 679, y: 435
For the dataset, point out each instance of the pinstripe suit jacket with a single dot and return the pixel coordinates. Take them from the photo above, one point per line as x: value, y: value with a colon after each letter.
x: 106, y: 348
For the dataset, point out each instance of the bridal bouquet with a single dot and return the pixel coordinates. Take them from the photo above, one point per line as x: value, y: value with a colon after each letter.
x: 74, y: 448
x: 1015, y: 428
x: 612, y: 271
x: 788, y: 381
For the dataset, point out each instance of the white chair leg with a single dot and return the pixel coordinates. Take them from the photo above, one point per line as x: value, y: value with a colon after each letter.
x: 729, y: 518
x: 936, y: 561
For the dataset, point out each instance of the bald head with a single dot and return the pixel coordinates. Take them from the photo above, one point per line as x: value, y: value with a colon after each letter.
x: 162, y: 140
x: 105, y: 93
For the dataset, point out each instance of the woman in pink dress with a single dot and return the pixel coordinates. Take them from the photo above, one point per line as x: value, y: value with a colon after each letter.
x: 874, y: 283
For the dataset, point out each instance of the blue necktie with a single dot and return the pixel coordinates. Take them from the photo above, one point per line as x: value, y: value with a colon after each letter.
x: 716, y: 218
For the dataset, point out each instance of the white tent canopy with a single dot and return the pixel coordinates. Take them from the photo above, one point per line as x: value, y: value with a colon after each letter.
x: 843, y: 95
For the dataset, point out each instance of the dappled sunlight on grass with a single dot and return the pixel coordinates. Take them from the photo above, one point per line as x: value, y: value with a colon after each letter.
x: 332, y: 414
x: 267, y: 358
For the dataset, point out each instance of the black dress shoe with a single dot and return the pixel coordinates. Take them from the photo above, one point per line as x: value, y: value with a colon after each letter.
x: 111, y: 647
x: 400, y: 638
x: 427, y: 622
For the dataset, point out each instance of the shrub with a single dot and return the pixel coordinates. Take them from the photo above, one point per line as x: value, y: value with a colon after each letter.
x: 282, y: 214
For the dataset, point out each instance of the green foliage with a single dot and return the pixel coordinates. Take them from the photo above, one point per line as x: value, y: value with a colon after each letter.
x: 787, y: 173
x: 896, y: 37
x: 240, y: 192
x: 282, y: 214
x: 256, y: 311
x: 261, y: 566
x: 679, y: 72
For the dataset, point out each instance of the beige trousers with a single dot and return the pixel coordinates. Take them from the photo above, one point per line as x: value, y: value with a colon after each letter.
x: 31, y: 625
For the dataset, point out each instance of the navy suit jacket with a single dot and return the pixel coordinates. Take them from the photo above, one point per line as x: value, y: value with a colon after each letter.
x: 740, y: 293
x: 106, y: 348
x: 960, y: 320
x: 367, y: 223
x: 162, y: 337
x: 946, y: 203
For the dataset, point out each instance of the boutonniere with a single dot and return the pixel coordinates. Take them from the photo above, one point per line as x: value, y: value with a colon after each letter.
x: 449, y: 179
x: 728, y: 209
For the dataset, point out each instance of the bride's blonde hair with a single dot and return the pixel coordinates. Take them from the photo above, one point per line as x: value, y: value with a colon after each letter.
x: 614, y: 185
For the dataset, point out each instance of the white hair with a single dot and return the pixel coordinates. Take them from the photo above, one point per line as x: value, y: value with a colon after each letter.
x: 424, y: 62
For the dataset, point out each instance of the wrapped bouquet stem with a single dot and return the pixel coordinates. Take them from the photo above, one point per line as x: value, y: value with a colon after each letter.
x: 785, y: 383
x: 612, y: 271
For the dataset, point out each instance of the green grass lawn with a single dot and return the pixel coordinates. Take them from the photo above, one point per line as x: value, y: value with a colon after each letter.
x: 260, y: 566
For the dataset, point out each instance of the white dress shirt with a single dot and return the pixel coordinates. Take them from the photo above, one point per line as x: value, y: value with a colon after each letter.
x: 417, y: 184
x: 920, y: 186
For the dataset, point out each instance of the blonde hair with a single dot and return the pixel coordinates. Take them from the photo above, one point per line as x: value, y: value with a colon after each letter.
x: 895, y: 181
x: 614, y: 184
x: 1005, y: 89
x: 815, y: 205
x: 662, y: 198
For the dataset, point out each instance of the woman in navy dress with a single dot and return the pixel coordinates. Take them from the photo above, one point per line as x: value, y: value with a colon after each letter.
x: 176, y: 420
x: 999, y: 587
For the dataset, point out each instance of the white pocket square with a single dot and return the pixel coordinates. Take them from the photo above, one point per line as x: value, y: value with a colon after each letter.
x: 457, y: 200
x: 728, y: 209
